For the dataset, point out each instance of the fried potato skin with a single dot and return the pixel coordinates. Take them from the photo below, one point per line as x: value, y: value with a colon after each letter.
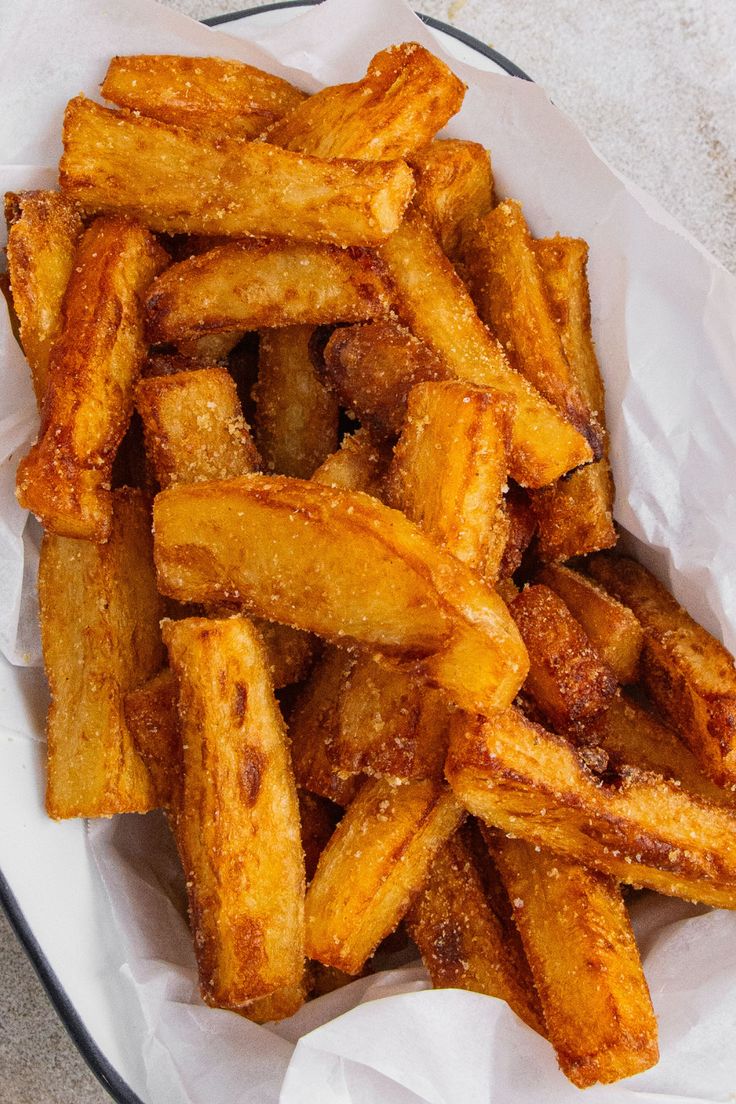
x: 454, y: 188
x: 207, y: 94
x: 181, y: 181
x: 395, y: 832
x: 65, y: 478
x: 110, y: 646
x: 406, y: 96
x: 153, y: 722
x: 366, y: 574
x: 585, y: 963
x: 257, y: 285
x: 688, y: 674
x: 237, y: 823
x: 43, y: 232
x: 637, y: 826
x: 433, y: 302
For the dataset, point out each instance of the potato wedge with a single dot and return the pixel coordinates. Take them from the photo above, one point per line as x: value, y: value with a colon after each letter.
x: 237, y: 824
x: 181, y: 181
x: 210, y: 95
x: 376, y: 861
x: 585, y: 963
x: 637, y: 826
x: 406, y: 96
x: 342, y: 565
x: 296, y: 418
x: 110, y: 646
x: 454, y: 188
x: 358, y: 465
x: 44, y: 229
x: 252, y: 285
x: 433, y: 302
x: 153, y: 722
x: 610, y: 626
x: 687, y: 672
x: 65, y: 478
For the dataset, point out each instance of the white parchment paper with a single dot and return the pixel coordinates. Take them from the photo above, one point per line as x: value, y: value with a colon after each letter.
x: 664, y: 316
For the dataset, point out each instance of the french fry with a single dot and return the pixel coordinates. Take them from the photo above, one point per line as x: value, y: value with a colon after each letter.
x: 610, y: 626
x: 406, y: 96
x: 207, y: 94
x: 279, y: 1005
x: 110, y: 646
x: 687, y: 672
x: 212, y: 348
x: 342, y: 565
x: 585, y: 963
x: 454, y: 188
x: 255, y: 285
x: 237, y: 824
x: 95, y: 362
x: 521, y: 529
x: 461, y: 939
x: 182, y: 181
x: 43, y: 232
x: 153, y: 722
x: 358, y: 465
x: 288, y: 652
x: 194, y: 428
x: 508, y: 289
x: 637, y: 826
x: 296, y: 418
x: 568, y: 679
x: 319, y: 818
x: 394, y: 833
x: 433, y: 302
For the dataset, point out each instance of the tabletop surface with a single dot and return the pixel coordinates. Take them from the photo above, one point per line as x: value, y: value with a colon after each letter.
x: 654, y: 88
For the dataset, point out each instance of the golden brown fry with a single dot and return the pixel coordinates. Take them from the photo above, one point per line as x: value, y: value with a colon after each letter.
x: 586, y: 966
x: 376, y: 861
x: 567, y: 677
x: 638, y: 827
x: 574, y: 515
x: 687, y: 672
x: 319, y: 819
x: 406, y: 96
x: 212, y: 348
x: 434, y: 303
x: 181, y: 181
x: 521, y: 529
x: 296, y: 418
x: 610, y: 626
x: 237, y: 828
x: 65, y: 478
x: 450, y: 466
x: 358, y: 465
x: 288, y: 651
x: 253, y: 285
x: 508, y: 289
x: 169, y: 364
x: 207, y: 94
x: 343, y: 565
x: 454, y: 188
x: 194, y: 428
x: 462, y: 942
x: 109, y: 646
x: 279, y: 1005
x: 153, y: 722
x: 43, y: 231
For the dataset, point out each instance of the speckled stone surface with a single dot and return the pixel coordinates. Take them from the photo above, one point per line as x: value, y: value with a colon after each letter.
x: 653, y: 85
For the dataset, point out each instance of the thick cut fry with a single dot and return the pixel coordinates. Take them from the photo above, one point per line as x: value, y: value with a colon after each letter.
x: 687, y: 672
x: 454, y: 188
x: 288, y: 651
x: 406, y: 96
x: 181, y: 181
x: 586, y: 966
x: 319, y: 818
x: 343, y: 565
x: 575, y: 515
x: 521, y: 529
x: 462, y: 942
x: 279, y: 1005
x: 372, y: 368
x: 65, y: 479
x: 450, y: 466
x: 375, y: 863
x: 108, y: 647
x: 508, y: 289
x: 253, y: 285
x: 237, y: 824
x: 611, y: 627
x: 153, y: 722
x: 296, y: 418
x: 567, y: 677
x: 434, y: 303
x: 194, y: 428
x: 638, y: 827
x: 358, y: 465
x: 209, y: 95
x: 43, y: 231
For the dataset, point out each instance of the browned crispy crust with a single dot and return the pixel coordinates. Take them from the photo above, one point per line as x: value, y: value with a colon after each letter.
x: 454, y: 188
x: 522, y: 526
x: 319, y: 818
x: 153, y: 722
x: 360, y: 464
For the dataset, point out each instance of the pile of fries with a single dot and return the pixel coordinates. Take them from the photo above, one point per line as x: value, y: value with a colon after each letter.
x: 486, y: 724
